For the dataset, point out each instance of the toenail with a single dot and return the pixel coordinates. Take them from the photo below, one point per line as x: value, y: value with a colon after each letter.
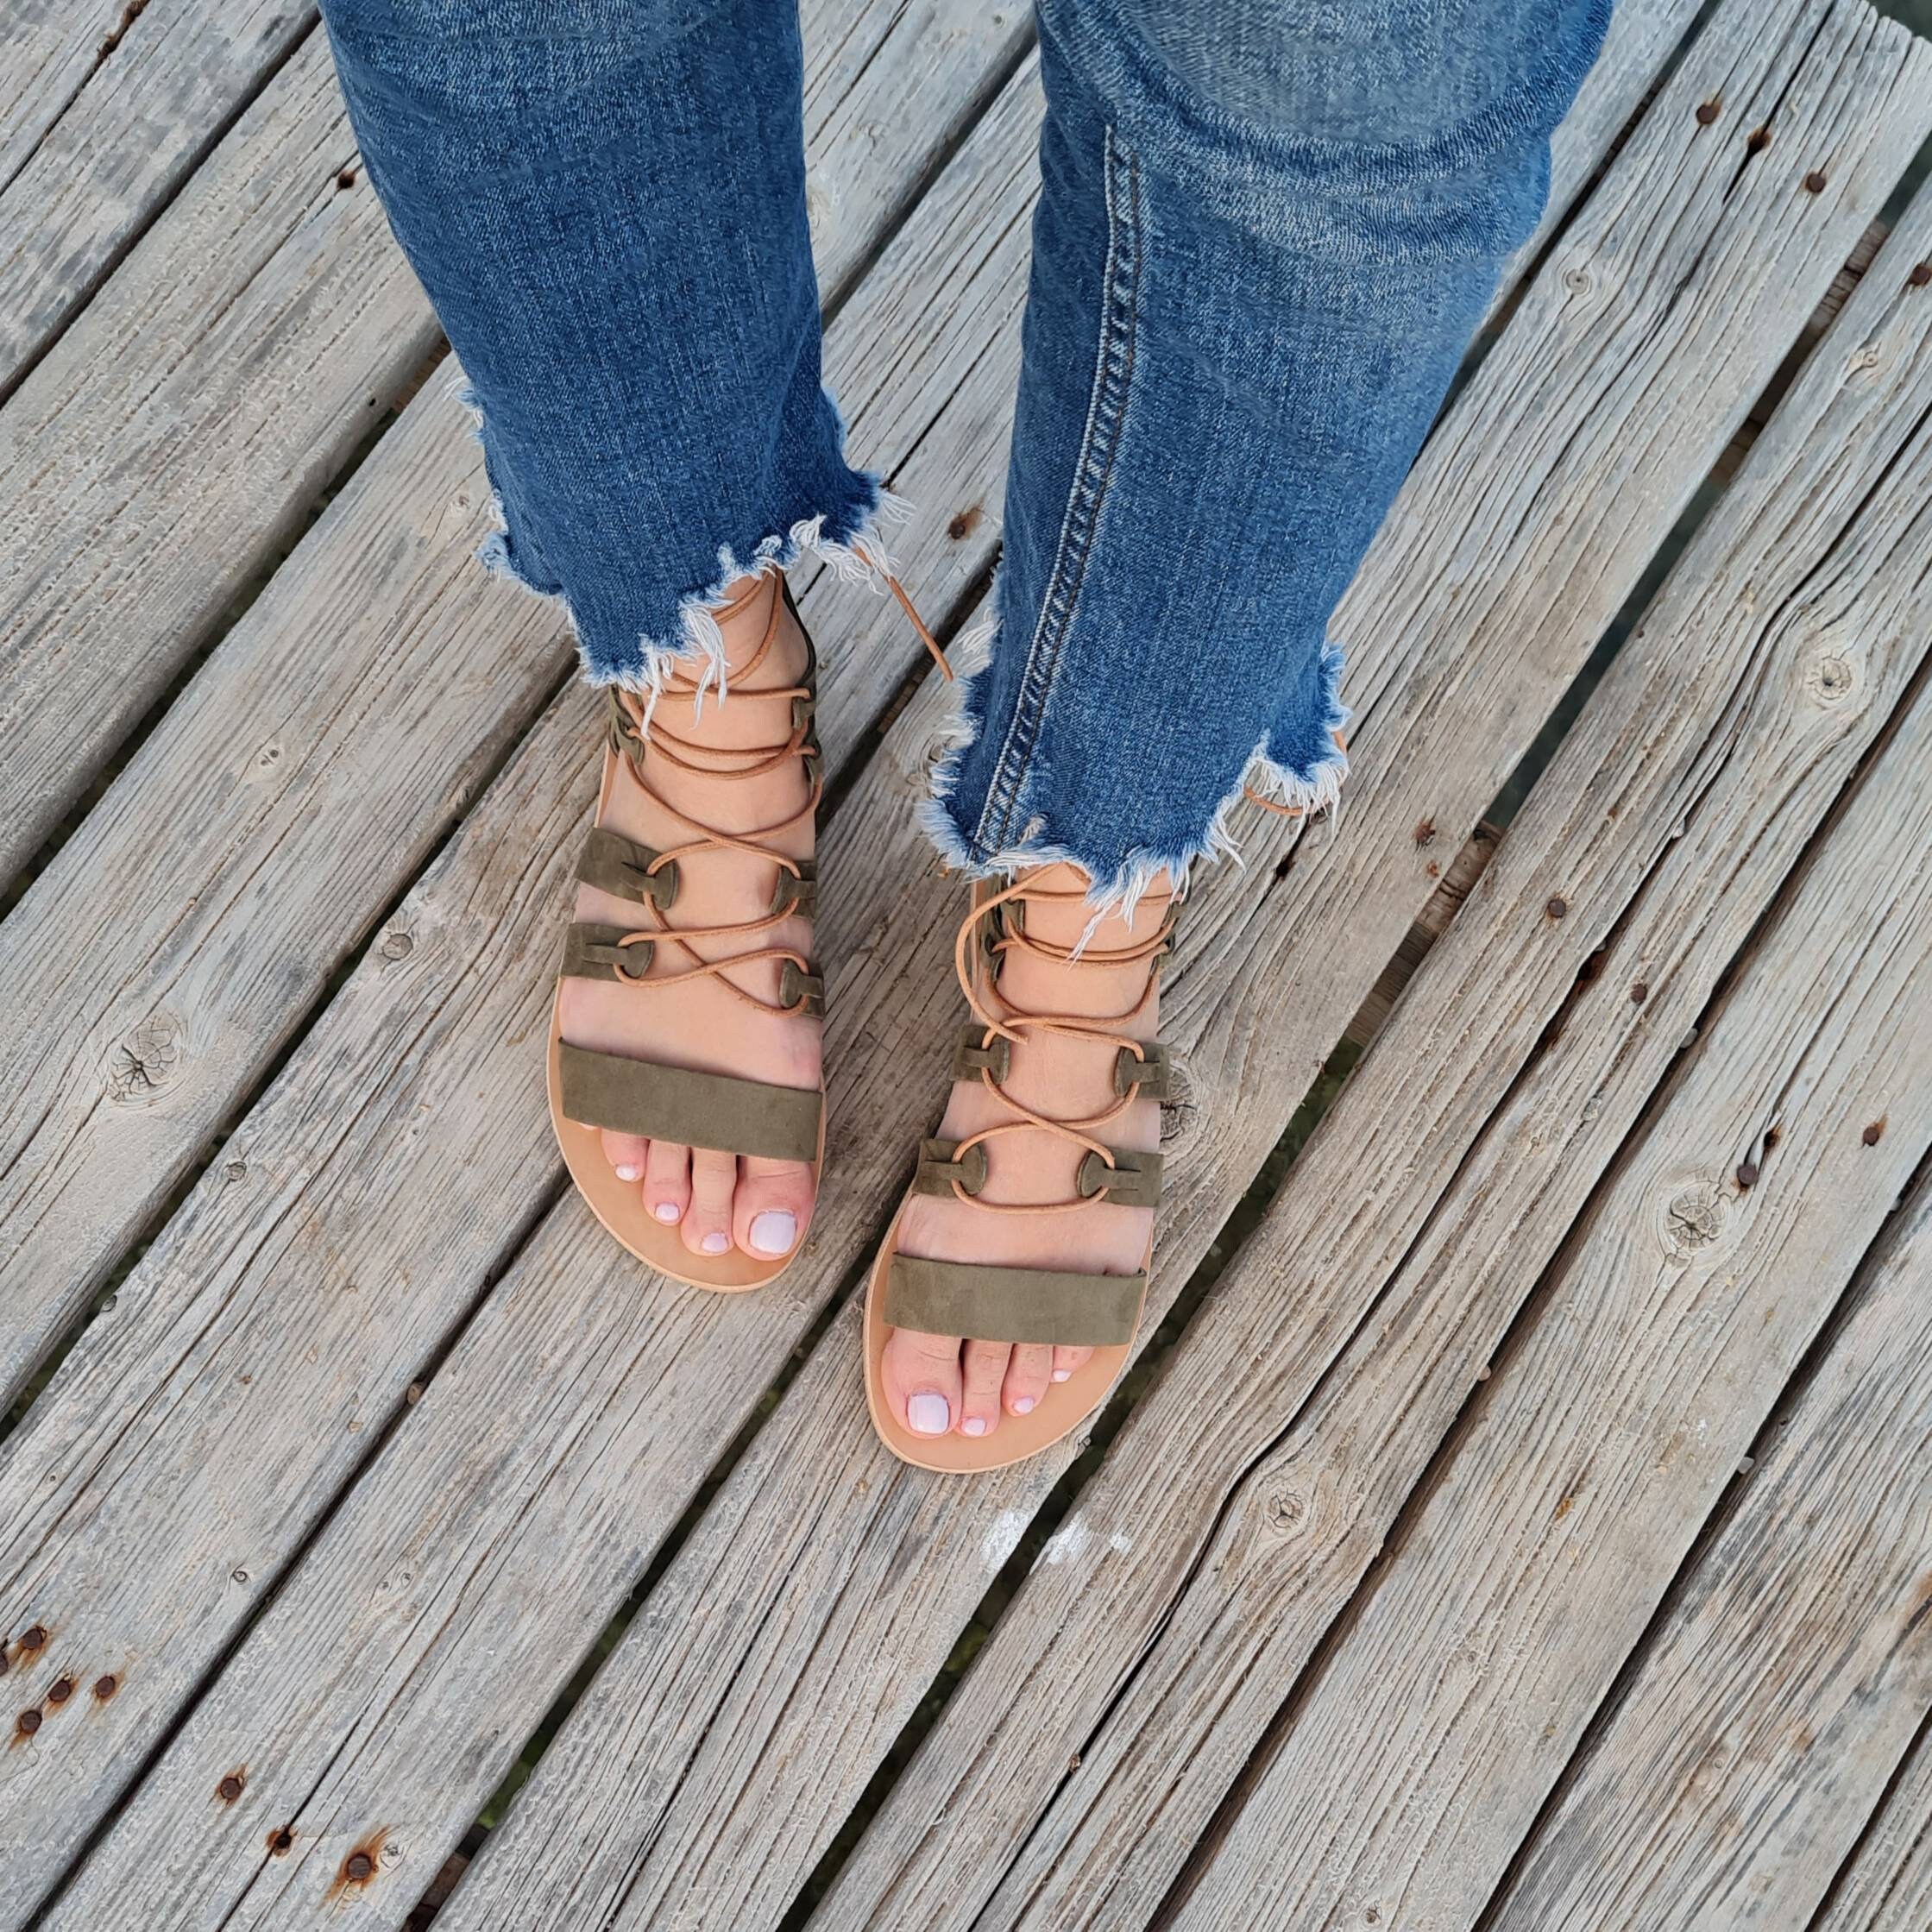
x: 1061, y: 1374
x: 973, y: 1425
x: 774, y: 1231
x: 929, y: 1414
x: 630, y: 1173
x: 716, y: 1243
x: 1023, y: 1405
x: 667, y: 1210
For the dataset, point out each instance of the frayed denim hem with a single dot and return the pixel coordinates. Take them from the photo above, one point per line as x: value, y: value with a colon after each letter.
x: 848, y: 540
x: 1118, y: 886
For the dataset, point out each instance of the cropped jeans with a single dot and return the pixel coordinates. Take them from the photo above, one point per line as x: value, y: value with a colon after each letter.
x: 1266, y: 232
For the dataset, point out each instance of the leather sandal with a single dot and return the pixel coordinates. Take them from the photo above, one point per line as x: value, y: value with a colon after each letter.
x: 1021, y: 1305
x: 591, y: 1090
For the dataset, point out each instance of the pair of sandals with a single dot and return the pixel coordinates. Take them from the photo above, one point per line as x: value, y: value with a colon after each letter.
x: 590, y: 1092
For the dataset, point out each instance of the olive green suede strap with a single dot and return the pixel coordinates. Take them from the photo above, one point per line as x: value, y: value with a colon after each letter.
x: 695, y: 1110
x: 615, y: 864
x: 1040, y: 1304
x: 600, y: 953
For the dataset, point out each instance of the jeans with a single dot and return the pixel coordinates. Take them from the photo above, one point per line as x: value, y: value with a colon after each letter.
x: 1266, y: 232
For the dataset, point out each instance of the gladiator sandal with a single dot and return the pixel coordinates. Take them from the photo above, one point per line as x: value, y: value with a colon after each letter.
x: 592, y: 1091
x: 1023, y: 1305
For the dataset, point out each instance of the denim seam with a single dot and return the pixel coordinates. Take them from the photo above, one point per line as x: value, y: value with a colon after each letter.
x: 1093, y: 470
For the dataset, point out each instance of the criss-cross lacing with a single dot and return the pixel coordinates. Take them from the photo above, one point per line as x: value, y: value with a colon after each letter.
x: 637, y: 729
x: 1011, y: 1024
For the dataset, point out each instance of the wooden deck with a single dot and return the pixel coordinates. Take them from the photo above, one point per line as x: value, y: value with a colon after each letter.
x: 1521, y: 1518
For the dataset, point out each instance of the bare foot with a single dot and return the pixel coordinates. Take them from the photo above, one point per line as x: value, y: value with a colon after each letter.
x: 936, y: 1382
x: 717, y: 1199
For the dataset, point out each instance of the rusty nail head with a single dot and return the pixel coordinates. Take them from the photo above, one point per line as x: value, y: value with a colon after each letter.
x: 357, y: 1866
x: 230, y: 1789
x: 346, y: 179
x: 1706, y: 112
x: 1747, y: 1173
x: 1759, y: 141
x: 34, y: 1639
x: 279, y: 1839
x: 1815, y: 181
x: 60, y: 1690
x: 104, y: 1687
x: 1640, y: 993
x: 1920, y: 274
x: 1873, y: 1134
x: 1557, y: 907
x: 30, y: 1722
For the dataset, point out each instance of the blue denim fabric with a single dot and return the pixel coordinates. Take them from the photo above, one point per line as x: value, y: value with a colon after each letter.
x: 1267, y: 230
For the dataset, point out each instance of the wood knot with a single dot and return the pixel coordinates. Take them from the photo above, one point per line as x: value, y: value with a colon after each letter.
x: 1694, y: 1218
x: 1829, y: 678
x: 397, y: 945
x: 1181, y: 1111
x: 146, y: 1063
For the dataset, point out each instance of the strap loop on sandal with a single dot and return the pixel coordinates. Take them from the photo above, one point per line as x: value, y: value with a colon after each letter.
x: 605, y: 952
x: 1127, y: 1176
x: 942, y: 1169
x: 616, y: 864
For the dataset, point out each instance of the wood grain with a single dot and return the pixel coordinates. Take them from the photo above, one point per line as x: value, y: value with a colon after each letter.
x: 105, y: 109
x: 1519, y: 1586
x: 1793, y: 1667
x: 1888, y: 1885
x: 1130, y: 1679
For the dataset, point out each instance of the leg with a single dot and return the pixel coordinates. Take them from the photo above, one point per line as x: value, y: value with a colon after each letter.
x: 1267, y: 229
x: 605, y: 200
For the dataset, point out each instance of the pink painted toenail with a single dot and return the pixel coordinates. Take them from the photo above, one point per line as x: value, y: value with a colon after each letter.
x: 973, y: 1425
x: 1024, y: 1405
x: 774, y: 1231
x: 667, y: 1210
x: 716, y: 1243
x: 630, y: 1173
x: 929, y: 1414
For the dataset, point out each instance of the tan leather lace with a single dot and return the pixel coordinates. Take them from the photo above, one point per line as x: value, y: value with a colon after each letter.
x: 1015, y: 1026
x: 647, y: 731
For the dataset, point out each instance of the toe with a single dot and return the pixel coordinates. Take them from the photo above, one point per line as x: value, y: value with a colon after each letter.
x: 984, y: 1374
x: 667, y: 1180
x: 921, y: 1373
x: 1027, y: 1378
x: 1066, y: 1361
x: 706, y: 1223
x: 771, y: 1206
x: 625, y: 1153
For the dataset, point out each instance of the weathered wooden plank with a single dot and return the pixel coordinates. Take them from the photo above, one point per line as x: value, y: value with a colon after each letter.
x: 410, y: 1042
x: 172, y: 440
x: 1436, y: 1729
x: 1795, y: 1665
x: 104, y: 109
x: 157, y: 458
x: 719, y: 1751
x: 127, y: 1074
x: 1888, y: 1887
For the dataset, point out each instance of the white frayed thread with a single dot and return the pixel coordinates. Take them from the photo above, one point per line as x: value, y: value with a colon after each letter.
x: 862, y: 558
x: 1310, y: 794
